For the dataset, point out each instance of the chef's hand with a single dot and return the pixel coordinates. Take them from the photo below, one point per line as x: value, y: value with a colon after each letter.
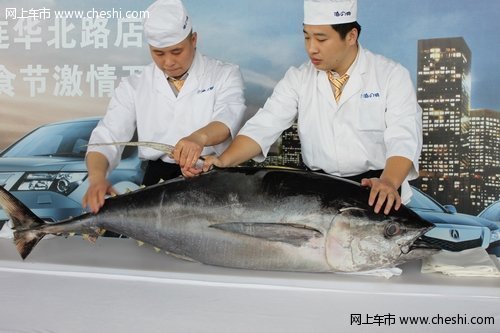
x: 187, y: 152
x: 211, y: 161
x: 95, y: 195
x: 382, y: 192
x: 191, y: 172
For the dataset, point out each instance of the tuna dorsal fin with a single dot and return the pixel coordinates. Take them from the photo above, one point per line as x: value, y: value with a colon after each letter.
x: 294, y: 234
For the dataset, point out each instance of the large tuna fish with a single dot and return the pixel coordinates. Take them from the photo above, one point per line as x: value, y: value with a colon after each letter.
x: 272, y: 219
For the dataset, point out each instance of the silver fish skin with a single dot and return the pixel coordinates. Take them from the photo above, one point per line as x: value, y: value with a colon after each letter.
x: 252, y: 218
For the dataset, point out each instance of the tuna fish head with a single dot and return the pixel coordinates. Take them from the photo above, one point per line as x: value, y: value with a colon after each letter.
x: 362, y: 240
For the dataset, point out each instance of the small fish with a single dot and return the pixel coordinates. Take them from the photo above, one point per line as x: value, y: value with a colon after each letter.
x: 252, y: 218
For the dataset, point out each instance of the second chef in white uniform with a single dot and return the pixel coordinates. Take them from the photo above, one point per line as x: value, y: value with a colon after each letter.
x: 357, y: 112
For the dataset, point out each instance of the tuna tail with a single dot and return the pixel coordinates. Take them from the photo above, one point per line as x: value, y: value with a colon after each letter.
x: 26, y: 235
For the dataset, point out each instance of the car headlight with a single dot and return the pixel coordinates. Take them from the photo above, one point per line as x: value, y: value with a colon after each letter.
x: 60, y: 182
x: 4, y: 177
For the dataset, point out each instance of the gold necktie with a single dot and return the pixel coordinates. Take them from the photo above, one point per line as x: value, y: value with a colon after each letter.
x: 177, y: 83
x: 338, y: 83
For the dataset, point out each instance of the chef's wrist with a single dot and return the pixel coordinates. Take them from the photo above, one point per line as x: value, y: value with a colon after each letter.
x: 97, y: 177
x: 224, y: 161
x: 199, y: 137
x: 391, y: 182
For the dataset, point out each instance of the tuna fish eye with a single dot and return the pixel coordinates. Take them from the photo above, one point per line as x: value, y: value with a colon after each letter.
x: 392, y: 229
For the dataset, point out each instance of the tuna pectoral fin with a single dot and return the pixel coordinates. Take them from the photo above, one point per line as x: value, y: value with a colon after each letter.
x: 24, y: 222
x: 293, y: 234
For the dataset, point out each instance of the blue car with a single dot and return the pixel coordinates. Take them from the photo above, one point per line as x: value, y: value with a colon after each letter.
x: 454, y: 231
x: 492, y: 212
x: 46, y: 169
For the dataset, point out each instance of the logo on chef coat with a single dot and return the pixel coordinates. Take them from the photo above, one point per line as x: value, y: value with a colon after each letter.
x: 200, y: 91
x: 369, y: 95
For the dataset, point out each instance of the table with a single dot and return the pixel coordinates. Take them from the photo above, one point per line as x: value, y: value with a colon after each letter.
x: 70, y: 285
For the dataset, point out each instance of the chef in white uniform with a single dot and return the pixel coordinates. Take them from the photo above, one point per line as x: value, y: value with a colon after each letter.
x: 183, y: 98
x: 357, y: 112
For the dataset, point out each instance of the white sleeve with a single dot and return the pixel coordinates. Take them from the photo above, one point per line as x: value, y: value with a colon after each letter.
x: 403, y: 134
x: 278, y: 114
x: 229, y: 107
x: 118, y: 124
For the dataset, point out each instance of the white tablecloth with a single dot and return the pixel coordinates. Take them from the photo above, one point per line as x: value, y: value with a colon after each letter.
x: 69, y: 285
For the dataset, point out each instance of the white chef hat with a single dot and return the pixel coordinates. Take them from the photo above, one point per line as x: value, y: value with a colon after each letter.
x: 323, y: 12
x: 167, y: 23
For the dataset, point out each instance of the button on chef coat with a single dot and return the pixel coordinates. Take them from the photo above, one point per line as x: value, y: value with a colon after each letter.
x: 213, y: 91
x: 377, y: 117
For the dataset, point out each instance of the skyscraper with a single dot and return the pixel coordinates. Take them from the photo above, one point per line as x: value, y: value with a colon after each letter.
x: 443, y: 92
x: 484, y: 157
x: 291, y: 146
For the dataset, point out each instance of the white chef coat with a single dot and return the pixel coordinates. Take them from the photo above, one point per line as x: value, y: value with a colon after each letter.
x: 213, y: 91
x: 377, y: 117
